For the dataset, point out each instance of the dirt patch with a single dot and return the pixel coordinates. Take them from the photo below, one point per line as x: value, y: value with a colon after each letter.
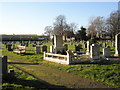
x: 55, y: 76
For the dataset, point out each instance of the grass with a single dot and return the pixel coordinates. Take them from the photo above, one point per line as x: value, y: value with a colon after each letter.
x: 23, y: 81
x: 108, y: 73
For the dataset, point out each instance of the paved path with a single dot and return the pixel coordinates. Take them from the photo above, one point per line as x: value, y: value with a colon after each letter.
x: 55, y: 76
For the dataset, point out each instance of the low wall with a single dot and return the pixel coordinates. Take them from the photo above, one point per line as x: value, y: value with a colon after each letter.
x: 64, y: 59
x: 56, y: 58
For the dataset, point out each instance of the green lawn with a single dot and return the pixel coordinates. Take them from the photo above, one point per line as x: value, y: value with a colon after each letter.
x: 108, y: 73
x: 23, y: 81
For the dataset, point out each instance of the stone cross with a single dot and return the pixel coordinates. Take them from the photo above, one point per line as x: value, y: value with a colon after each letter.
x: 117, y: 45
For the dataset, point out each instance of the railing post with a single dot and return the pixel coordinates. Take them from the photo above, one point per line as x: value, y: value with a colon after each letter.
x: 69, y: 59
x: 44, y: 55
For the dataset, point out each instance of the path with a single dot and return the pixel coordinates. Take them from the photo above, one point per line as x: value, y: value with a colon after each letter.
x: 56, y: 76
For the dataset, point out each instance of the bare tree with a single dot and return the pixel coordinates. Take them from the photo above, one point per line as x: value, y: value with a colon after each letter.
x: 48, y: 30
x: 96, y: 27
x: 113, y: 23
x: 59, y: 24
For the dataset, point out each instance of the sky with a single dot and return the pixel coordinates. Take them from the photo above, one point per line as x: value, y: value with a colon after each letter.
x: 32, y: 17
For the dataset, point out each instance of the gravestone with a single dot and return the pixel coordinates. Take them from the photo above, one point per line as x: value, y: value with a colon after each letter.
x: 37, y: 49
x: 113, y: 44
x: 4, y: 67
x: 88, y: 48
x: 58, y: 43
x: 85, y: 45
x: 69, y: 54
x: 9, y: 47
x: 100, y: 45
x: 44, y: 48
x: 117, y: 45
x: 94, y: 51
x: 66, y: 47
x: 34, y: 45
x: 77, y: 48
x: 106, y: 51
x: 13, y: 46
x: 51, y: 49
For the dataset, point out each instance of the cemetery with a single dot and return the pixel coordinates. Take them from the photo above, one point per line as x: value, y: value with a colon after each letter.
x: 92, y: 53
x: 78, y: 58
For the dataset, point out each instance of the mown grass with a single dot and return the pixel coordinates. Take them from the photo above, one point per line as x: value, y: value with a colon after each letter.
x: 23, y: 80
x: 108, y: 73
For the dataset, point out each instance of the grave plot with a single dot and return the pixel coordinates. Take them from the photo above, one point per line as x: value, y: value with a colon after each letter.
x: 61, y: 54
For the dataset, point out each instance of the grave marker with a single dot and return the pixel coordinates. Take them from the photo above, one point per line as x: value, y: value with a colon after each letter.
x: 106, y: 51
x: 94, y: 51
x: 4, y: 67
x: 58, y: 43
x: 44, y: 48
x: 117, y: 45
x: 37, y: 49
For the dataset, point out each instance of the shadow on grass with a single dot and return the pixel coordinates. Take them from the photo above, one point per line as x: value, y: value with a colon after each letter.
x: 35, y: 84
x: 22, y: 83
x: 102, y: 62
x: 23, y: 63
x: 29, y: 54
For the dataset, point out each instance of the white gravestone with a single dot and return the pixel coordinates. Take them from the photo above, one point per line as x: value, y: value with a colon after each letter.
x: 94, y: 51
x: 117, y: 45
x: 51, y: 49
x: 88, y: 48
x: 69, y: 54
x: 58, y: 43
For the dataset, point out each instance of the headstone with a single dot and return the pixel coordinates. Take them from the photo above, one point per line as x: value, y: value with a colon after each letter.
x: 66, y: 47
x: 58, y: 43
x: 88, y: 48
x: 106, y: 51
x: 9, y: 46
x: 94, y: 51
x: 34, y: 45
x: 117, y: 45
x: 4, y: 67
x: 13, y: 46
x: 11, y: 74
x: 69, y: 54
x: 44, y: 48
x: 85, y: 45
x: 38, y: 49
x: 113, y: 44
x: 77, y: 48
x: 51, y: 49
x: 100, y: 45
